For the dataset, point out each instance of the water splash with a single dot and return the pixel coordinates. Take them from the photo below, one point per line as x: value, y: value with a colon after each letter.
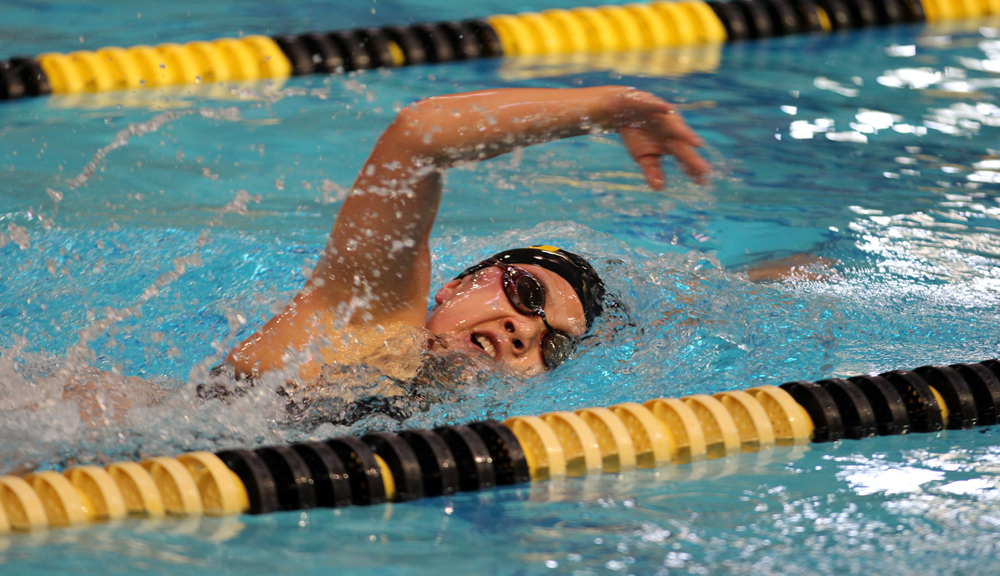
x: 126, y: 134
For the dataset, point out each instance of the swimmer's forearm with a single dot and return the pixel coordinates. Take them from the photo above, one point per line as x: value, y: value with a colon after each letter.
x: 478, y: 125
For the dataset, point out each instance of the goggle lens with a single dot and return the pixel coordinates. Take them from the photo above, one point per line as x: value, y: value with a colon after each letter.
x: 557, y: 347
x: 527, y: 294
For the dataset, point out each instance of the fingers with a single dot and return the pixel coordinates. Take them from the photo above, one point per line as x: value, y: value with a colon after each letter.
x: 696, y: 167
x: 655, y: 129
x: 653, y: 171
x: 646, y: 149
x: 674, y: 126
x: 637, y: 108
x: 680, y: 141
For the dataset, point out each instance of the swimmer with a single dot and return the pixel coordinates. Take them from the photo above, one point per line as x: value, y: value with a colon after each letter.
x: 365, y: 305
x: 524, y: 309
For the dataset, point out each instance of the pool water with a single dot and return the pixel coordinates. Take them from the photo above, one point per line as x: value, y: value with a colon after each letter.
x: 875, y: 149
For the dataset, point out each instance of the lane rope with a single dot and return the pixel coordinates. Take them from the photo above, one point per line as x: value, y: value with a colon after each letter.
x: 389, y: 467
x: 603, y: 29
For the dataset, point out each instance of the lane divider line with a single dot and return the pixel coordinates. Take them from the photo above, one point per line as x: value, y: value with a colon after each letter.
x: 604, y: 29
x: 389, y: 467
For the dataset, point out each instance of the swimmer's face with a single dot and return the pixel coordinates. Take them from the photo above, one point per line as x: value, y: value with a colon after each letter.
x: 474, y: 312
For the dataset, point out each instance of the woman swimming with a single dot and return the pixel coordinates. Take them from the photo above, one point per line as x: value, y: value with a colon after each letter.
x: 354, y: 341
x: 523, y: 308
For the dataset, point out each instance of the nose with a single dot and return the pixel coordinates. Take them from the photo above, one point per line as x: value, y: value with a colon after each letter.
x: 523, y: 332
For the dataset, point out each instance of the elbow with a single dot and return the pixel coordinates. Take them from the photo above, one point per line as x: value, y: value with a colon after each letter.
x: 409, y: 134
x: 408, y: 116
x: 414, y: 118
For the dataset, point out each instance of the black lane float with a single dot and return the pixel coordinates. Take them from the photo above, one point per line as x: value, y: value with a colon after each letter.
x: 391, y: 467
x: 604, y: 29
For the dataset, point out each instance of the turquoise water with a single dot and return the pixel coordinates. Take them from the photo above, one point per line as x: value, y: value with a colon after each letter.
x: 184, y: 239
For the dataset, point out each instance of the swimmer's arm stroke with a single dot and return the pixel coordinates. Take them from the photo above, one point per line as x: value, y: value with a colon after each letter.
x: 376, y: 265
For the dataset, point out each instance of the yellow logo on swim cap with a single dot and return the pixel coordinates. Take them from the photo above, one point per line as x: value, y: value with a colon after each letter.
x: 546, y: 248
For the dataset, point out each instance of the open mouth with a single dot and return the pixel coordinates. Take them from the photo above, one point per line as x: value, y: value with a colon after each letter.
x: 485, y: 343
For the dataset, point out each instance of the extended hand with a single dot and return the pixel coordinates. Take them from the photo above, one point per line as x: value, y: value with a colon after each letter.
x: 651, y: 128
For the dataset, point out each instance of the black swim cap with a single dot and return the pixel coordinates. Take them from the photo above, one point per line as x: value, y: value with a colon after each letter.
x: 572, y: 268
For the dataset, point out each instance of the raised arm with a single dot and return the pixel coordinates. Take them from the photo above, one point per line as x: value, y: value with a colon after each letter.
x: 376, y: 265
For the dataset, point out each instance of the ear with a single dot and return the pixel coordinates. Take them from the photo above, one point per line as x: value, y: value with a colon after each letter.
x: 447, y: 291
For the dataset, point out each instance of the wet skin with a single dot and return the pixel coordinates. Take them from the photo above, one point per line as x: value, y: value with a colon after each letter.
x: 474, y: 308
x: 373, y: 278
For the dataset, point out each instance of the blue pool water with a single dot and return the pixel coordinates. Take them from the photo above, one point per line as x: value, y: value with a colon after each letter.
x: 876, y: 149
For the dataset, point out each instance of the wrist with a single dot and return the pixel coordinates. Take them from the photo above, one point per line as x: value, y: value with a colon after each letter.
x: 616, y: 109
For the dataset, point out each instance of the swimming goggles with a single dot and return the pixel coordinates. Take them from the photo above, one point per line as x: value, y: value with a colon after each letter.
x: 527, y: 295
